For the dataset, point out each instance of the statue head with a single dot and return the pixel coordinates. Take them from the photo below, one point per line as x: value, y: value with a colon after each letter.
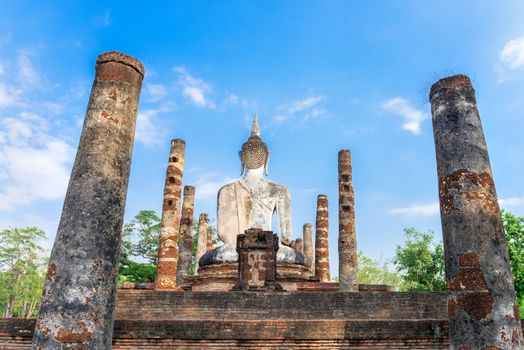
x: 254, y: 153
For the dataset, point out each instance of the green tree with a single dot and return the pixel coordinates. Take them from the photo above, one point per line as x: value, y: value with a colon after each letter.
x: 514, y: 230
x: 140, y: 242
x: 142, y: 233
x: 22, y: 269
x: 420, y: 262
x: 376, y: 272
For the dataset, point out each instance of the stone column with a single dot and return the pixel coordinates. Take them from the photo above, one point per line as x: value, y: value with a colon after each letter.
x: 170, y: 227
x: 347, y: 237
x: 309, y: 254
x: 481, y: 307
x: 185, y: 245
x: 321, y: 240
x: 79, y: 293
x: 298, y: 245
x: 210, y: 243
x: 203, y: 222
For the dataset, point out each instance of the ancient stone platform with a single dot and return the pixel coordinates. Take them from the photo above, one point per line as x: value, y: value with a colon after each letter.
x: 223, y: 277
x: 146, y: 319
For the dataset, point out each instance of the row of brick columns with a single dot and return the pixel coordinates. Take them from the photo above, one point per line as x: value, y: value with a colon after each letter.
x: 78, y: 303
x: 347, y: 240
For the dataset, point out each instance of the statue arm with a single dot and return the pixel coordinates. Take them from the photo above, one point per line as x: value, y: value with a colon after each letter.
x: 284, y: 216
x: 226, y: 216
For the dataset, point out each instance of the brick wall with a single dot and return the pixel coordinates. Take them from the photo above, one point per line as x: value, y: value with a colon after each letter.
x: 143, y: 304
x: 241, y: 320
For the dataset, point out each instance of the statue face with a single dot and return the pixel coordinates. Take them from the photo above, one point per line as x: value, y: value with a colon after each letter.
x: 254, y: 153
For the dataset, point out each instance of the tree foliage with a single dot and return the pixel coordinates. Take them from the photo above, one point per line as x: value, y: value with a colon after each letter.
x: 376, y: 272
x: 514, y: 230
x: 139, y: 252
x: 420, y: 262
x: 22, y: 271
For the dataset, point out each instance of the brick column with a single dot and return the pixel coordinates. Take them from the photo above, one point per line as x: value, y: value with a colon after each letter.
x: 203, y: 222
x: 309, y: 254
x: 79, y: 293
x: 347, y: 237
x: 185, y: 245
x: 210, y: 243
x: 321, y: 240
x: 481, y: 307
x: 170, y: 227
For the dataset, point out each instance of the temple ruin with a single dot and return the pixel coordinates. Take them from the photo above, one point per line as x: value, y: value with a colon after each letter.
x: 256, y: 288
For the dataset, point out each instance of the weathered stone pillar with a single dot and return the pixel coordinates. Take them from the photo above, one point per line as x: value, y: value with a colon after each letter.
x: 170, y: 227
x: 185, y: 245
x: 347, y: 236
x: 298, y: 245
x: 79, y: 293
x: 210, y: 243
x: 203, y: 222
x: 481, y: 307
x: 321, y: 240
x: 309, y: 255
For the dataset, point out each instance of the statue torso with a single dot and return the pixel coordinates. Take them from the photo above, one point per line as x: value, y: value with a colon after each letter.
x: 247, y: 203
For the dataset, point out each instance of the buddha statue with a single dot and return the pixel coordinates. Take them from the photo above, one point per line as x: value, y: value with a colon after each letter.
x: 251, y: 202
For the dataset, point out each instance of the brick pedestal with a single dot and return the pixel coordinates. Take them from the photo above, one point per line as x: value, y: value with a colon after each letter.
x: 257, y: 260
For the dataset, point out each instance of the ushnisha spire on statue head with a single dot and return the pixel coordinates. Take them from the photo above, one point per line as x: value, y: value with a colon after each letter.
x: 254, y: 153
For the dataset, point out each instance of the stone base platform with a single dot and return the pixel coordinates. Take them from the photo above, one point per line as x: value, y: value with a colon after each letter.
x: 147, y: 319
x: 292, y: 277
x: 222, y: 277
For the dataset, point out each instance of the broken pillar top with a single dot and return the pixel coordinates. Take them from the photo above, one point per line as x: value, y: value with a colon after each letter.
x: 451, y: 82
x: 178, y: 141
x: 189, y: 190
x: 119, y: 57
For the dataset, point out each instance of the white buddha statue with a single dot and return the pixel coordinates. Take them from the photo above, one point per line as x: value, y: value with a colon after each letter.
x: 251, y: 202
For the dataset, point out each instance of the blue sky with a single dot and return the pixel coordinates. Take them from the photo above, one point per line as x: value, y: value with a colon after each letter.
x: 322, y: 75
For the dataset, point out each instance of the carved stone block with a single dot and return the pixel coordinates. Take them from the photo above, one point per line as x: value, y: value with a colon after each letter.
x: 257, y: 260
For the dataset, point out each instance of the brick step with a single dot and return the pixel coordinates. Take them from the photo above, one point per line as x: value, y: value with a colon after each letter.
x: 22, y: 329
x: 259, y: 334
x: 151, y: 305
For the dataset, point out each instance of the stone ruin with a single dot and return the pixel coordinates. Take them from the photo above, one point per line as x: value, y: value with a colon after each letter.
x: 257, y: 289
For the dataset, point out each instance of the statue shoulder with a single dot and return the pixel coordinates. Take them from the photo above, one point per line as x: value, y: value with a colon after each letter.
x: 227, y: 188
x: 278, y: 187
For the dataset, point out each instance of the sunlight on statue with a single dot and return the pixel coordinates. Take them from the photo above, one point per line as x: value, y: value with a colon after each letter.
x: 251, y: 202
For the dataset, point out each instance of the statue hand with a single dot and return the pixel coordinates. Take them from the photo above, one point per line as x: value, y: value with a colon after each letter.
x: 287, y: 242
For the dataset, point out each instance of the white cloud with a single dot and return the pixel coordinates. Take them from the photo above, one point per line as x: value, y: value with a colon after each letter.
x: 279, y: 119
x: 305, y: 104
x: 103, y: 20
x: 147, y: 129
x: 8, y: 95
x: 208, y: 183
x: 512, y: 201
x: 431, y: 209
x: 417, y: 210
x: 513, y: 53
x: 232, y: 99
x: 154, y: 92
x: 34, y: 165
x: 413, y: 118
x: 315, y: 114
x: 27, y: 75
x: 305, y: 109
x: 195, y: 89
